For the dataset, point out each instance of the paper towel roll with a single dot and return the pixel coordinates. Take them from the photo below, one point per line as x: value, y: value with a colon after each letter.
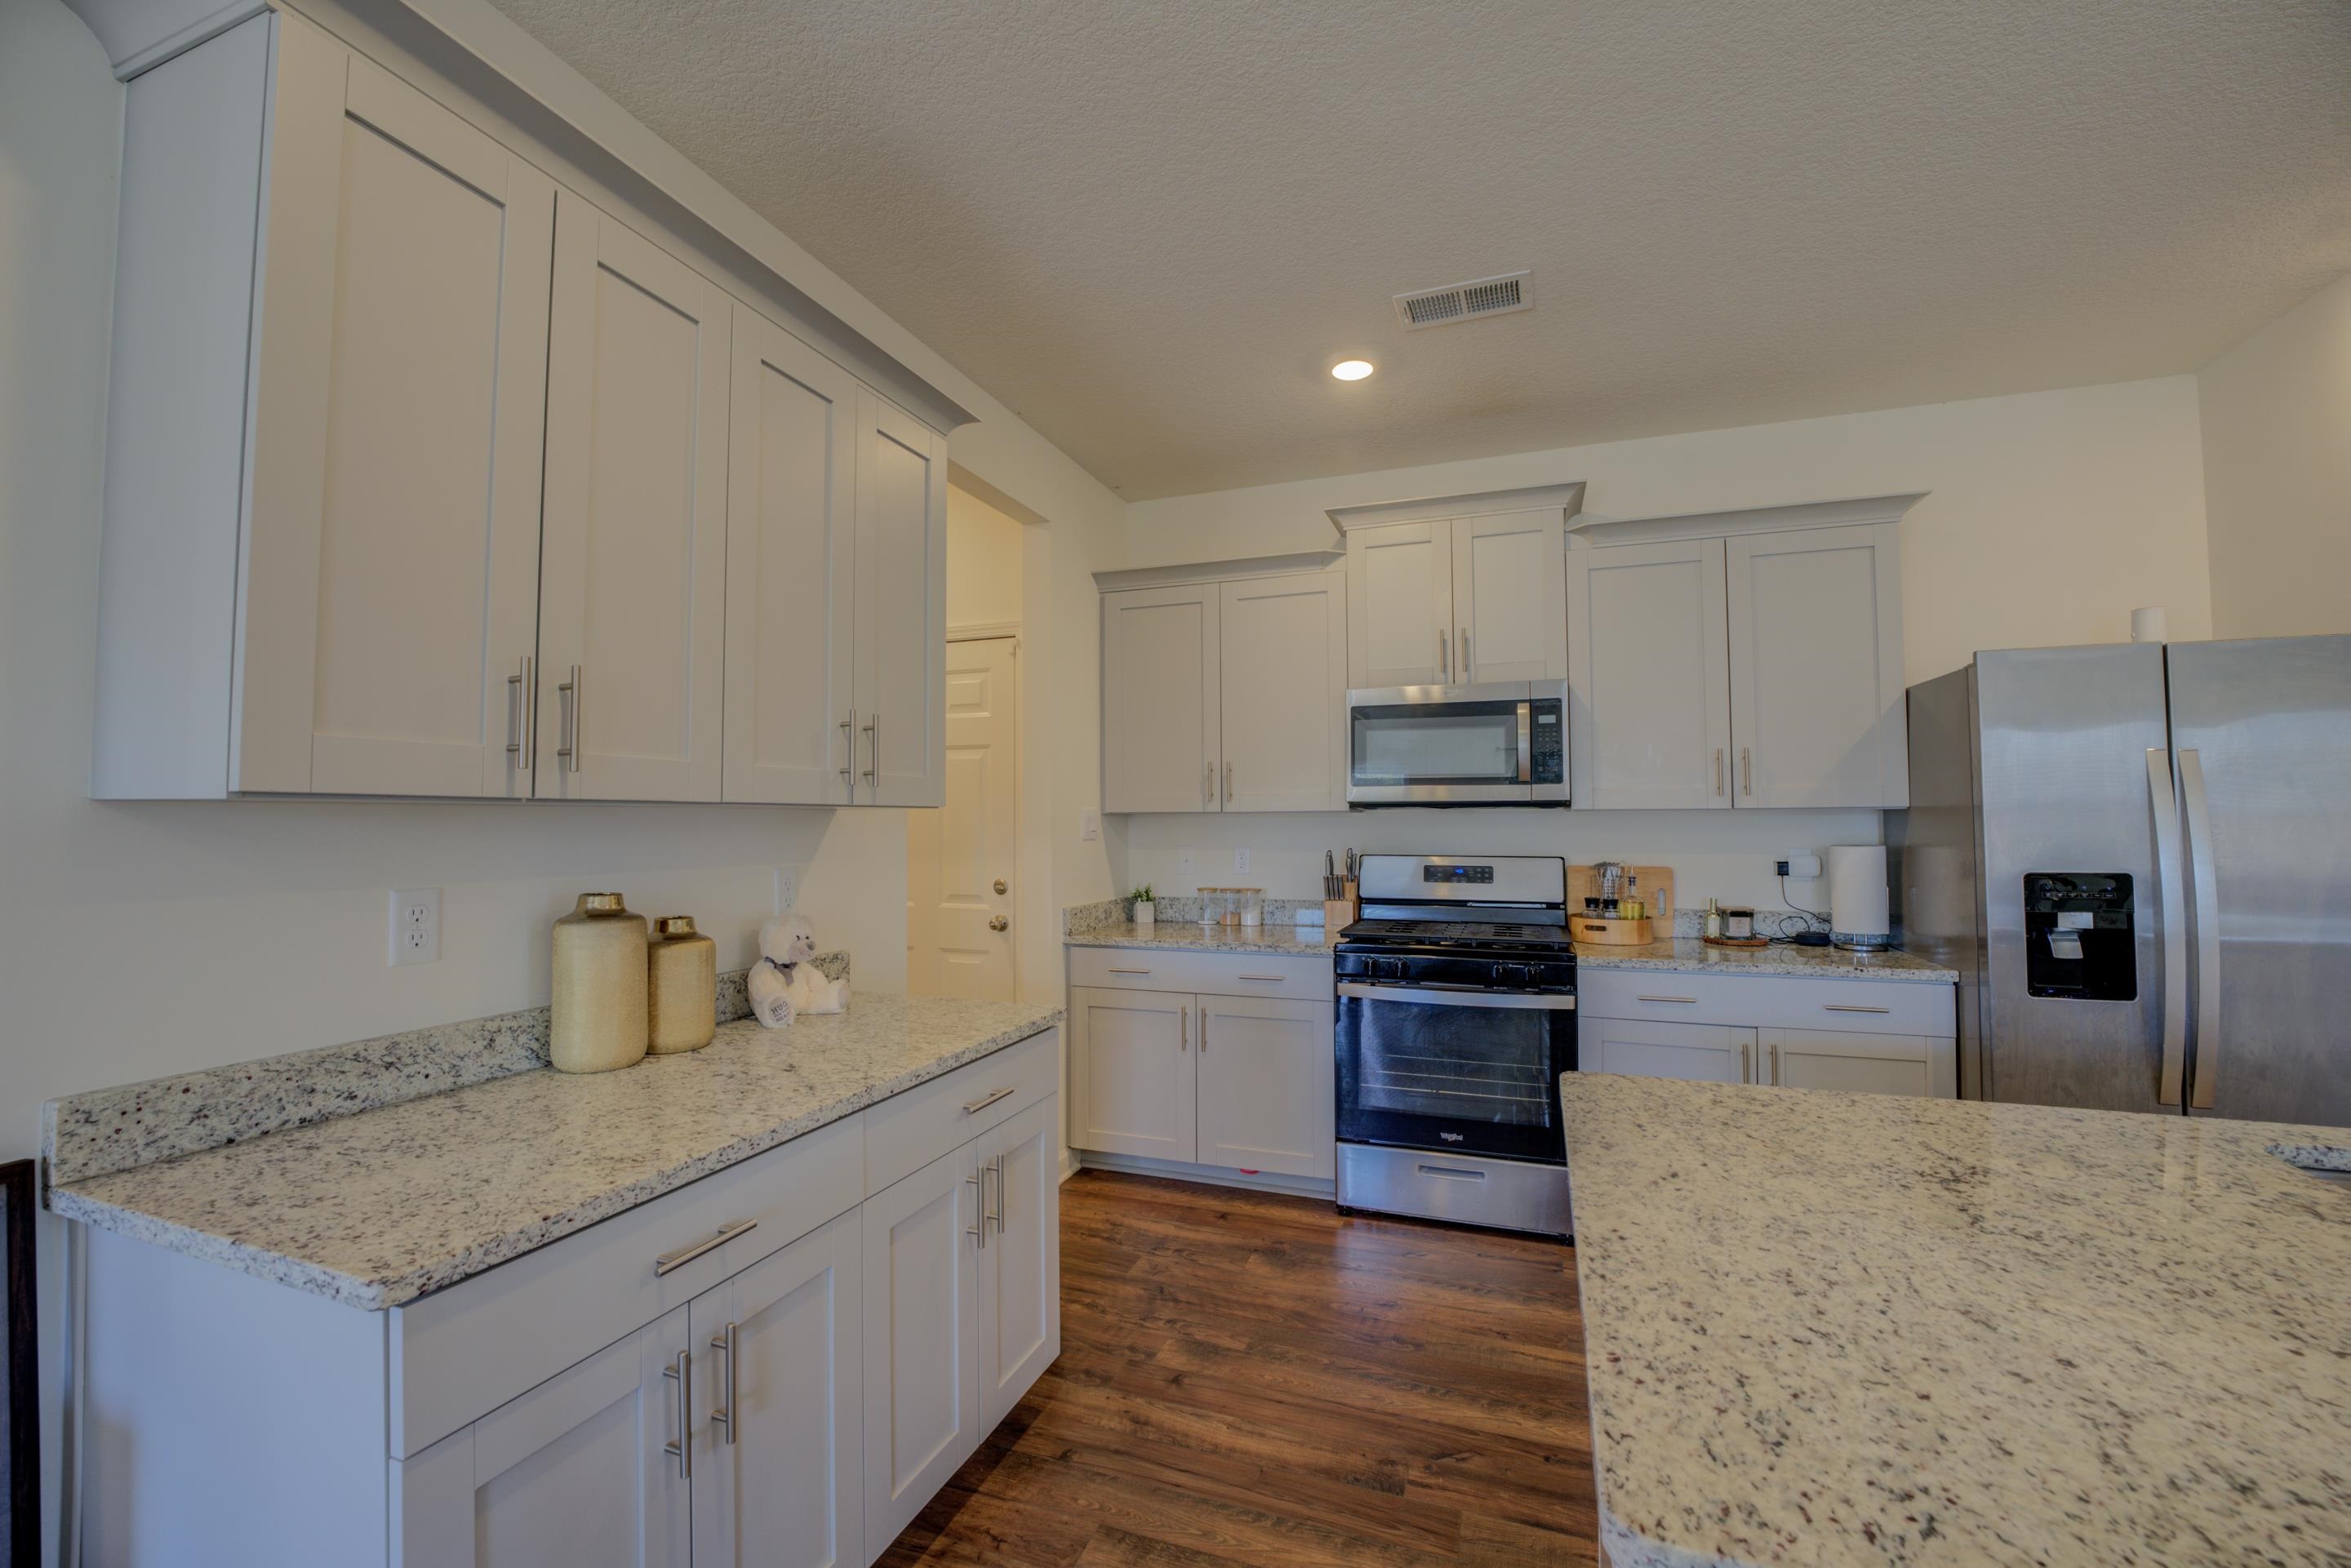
x: 1860, y: 916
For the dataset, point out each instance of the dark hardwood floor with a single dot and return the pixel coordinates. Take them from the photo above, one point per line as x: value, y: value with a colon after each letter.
x: 1253, y: 1379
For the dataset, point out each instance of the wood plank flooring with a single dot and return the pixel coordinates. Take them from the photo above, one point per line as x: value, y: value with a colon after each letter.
x: 1251, y: 1379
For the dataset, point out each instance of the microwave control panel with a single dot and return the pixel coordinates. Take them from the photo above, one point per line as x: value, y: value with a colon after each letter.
x: 1547, y: 749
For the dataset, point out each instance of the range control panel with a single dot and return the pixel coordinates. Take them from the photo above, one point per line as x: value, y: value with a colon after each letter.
x: 2081, y: 941
x: 1547, y: 748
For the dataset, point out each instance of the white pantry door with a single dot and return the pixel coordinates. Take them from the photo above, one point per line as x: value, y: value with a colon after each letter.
x: 1510, y: 610
x: 961, y: 860
x: 1282, y: 654
x: 791, y: 524
x: 1400, y: 605
x: 1648, y: 694
x: 633, y: 598
x: 1161, y: 727
x: 902, y: 606
x: 392, y: 594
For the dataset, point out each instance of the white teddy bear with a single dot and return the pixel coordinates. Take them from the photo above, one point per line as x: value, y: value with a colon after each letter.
x: 784, y: 983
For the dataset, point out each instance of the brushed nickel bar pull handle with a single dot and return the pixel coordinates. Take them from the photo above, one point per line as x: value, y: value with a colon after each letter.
x: 2207, y: 894
x: 1745, y: 1075
x: 1208, y: 783
x: 849, y: 754
x: 1746, y: 771
x: 670, y: 1262
x: 1469, y: 667
x: 873, y: 732
x: 568, y: 695
x: 1183, y: 1028
x: 1204, y: 1030
x: 1228, y: 783
x: 1129, y: 971
x: 1276, y: 979
x: 724, y: 1342
x: 2165, y: 806
x: 518, y: 706
x: 1772, y: 1051
x: 682, y: 1369
x: 985, y: 1101
x: 977, y: 1230
x: 1684, y: 1001
x: 1851, y: 1007
x: 1717, y: 770
x: 997, y: 1165
x: 1444, y: 656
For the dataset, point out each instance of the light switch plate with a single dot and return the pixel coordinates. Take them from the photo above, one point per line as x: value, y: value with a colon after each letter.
x: 1184, y: 865
x: 415, y: 932
x: 1089, y: 826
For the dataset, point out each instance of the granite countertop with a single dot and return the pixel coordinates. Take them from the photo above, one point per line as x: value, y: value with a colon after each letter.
x: 1827, y: 1329
x: 1692, y: 957
x: 1189, y: 936
x: 377, y: 1207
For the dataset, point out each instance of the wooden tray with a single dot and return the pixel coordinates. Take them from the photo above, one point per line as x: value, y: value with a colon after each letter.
x: 1736, y: 941
x: 1656, y: 890
x: 1609, y: 933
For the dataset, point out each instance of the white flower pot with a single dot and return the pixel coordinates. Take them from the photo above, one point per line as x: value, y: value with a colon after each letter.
x: 1145, y: 913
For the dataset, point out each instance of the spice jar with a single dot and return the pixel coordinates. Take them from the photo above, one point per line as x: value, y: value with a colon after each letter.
x: 682, y: 986
x: 597, y: 1017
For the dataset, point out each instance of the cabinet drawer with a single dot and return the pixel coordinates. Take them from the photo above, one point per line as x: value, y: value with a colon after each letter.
x: 1865, y: 1007
x: 462, y: 1352
x: 907, y: 1131
x: 1300, y: 976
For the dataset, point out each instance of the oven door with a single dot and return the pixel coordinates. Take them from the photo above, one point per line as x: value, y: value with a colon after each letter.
x: 1440, y: 746
x: 1421, y: 1067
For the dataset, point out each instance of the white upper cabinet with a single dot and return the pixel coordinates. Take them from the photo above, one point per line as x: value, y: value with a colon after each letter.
x: 363, y: 626
x: 899, y: 678
x: 1510, y: 607
x: 1400, y: 605
x: 1162, y: 692
x: 1816, y: 681
x: 1281, y: 652
x: 633, y: 590
x: 791, y: 522
x: 1648, y: 696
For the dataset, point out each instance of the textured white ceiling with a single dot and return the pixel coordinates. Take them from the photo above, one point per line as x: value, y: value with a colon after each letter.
x: 1150, y: 225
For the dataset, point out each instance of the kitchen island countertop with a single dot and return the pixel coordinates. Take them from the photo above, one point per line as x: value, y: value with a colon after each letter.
x: 1829, y: 1329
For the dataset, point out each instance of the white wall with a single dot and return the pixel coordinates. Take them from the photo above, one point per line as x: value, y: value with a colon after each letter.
x: 984, y: 562
x: 2051, y: 515
x: 2277, y: 473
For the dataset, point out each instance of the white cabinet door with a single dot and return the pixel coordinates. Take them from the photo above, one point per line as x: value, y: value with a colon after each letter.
x: 1020, y: 1264
x: 792, y: 523
x: 1648, y: 697
x: 922, y: 1338
x: 900, y: 675
x: 632, y: 593
x: 1161, y: 699
x: 1860, y: 1063
x: 1817, y: 680
x: 1130, y: 1074
x: 1509, y: 597
x: 1400, y: 605
x: 779, y: 1483
x: 391, y: 559
x: 1712, y: 1053
x: 1266, y: 1092
x: 578, y: 1471
x: 1282, y: 654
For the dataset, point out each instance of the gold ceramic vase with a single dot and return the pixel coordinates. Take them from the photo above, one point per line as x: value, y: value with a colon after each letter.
x: 598, y: 1014
x: 683, y: 979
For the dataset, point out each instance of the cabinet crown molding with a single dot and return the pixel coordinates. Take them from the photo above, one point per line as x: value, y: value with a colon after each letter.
x: 1853, y: 511
x: 1568, y: 497
x: 1219, y: 570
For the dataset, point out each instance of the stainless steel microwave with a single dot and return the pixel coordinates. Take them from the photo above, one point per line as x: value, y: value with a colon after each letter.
x: 1504, y: 743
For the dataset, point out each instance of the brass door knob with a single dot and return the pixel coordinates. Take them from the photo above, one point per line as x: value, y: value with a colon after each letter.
x: 1000, y: 884
x: 999, y: 923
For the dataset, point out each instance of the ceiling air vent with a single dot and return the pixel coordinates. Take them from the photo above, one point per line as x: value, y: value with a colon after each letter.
x: 1465, y: 301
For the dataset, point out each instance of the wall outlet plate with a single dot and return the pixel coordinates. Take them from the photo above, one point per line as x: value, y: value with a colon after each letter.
x: 1800, y: 868
x: 788, y: 889
x: 415, y: 934
x: 1184, y: 865
x: 1241, y: 861
x: 1089, y: 826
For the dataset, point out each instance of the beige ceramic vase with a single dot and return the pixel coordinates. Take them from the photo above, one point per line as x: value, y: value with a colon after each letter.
x: 683, y: 979
x: 598, y: 1014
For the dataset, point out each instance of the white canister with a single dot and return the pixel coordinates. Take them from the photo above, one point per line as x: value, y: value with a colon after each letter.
x: 1860, y: 909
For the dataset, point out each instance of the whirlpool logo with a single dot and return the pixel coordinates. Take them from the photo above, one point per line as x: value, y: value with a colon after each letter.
x: 1450, y: 1137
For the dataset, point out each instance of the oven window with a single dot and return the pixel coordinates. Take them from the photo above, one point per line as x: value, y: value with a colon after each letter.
x: 1448, y: 743
x: 1482, y: 1080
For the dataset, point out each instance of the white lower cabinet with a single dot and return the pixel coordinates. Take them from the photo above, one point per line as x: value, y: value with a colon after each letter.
x: 1708, y: 1053
x: 1860, y: 1063
x: 922, y: 1356
x: 1886, y: 1039
x: 1020, y: 1263
x: 1130, y: 1074
x: 1266, y: 1096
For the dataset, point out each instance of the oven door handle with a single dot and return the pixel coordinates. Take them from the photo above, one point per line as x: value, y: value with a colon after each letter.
x: 1460, y: 997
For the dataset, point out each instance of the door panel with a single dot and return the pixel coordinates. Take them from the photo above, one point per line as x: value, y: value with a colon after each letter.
x: 792, y: 525
x: 1161, y: 699
x: 633, y: 596
x: 922, y: 1338
x: 902, y: 606
x: 1281, y: 657
x: 1400, y: 606
x: 1817, y: 680
x: 1856, y: 1063
x: 2269, y: 724
x: 788, y: 1491
x: 1131, y: 1076
x: 1510, y: 599
x: 957, y: 855
x: 1266, y: 1091
x: 1021, y: 1267
x: 387, y: 598
x: 1709, y: 1053
x: 1649, y: 700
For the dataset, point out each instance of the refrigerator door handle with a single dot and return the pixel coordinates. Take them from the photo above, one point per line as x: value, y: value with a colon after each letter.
x: 2165, y: 807
x: 2208, y: 930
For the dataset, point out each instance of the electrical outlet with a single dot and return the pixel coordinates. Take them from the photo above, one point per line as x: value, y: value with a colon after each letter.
x: 416, y: 936
x: 1800, y: 868
x: 1184, y: 865
x: 788, y: 889
x: 1241, y: 861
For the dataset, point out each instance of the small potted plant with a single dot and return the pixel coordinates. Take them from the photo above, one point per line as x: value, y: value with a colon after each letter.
x: 1146, y: 911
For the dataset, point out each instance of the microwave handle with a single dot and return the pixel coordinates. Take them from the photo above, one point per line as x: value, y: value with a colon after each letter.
x: 1526, y: 743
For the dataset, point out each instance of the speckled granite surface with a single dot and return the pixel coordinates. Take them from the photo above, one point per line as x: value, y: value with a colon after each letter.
x: 376, y: 1208
x: 1828, y: 1329
x: 84, y: 1136
x: 1079, y: 920
x: 1171, y: 936
x: 1694, y: 957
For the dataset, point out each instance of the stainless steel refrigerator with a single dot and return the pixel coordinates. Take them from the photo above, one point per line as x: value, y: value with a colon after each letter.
x: 2139, y: 860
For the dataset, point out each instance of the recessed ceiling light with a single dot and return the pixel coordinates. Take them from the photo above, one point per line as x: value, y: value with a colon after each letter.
x: 1352, y: 370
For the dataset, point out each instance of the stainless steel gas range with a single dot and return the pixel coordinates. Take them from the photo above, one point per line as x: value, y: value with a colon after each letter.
x: 1456, y: 1018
